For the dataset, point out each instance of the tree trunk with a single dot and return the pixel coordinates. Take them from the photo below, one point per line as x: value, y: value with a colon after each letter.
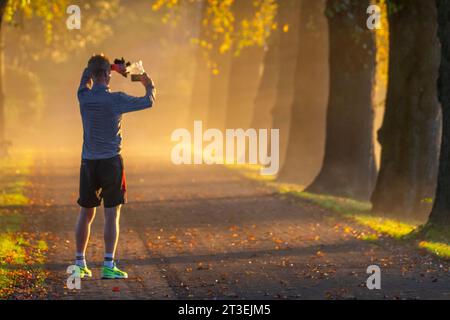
x: 307, y: 130
x: 440, y: 215
x: 218, y: 91
x: 244, y: 75
x: 409, y: 136
x: 199, y: 100
x: 3, y: 143
x: 265, y: 98
x: 289, y: 11
x: 349, y: 167
x: 218, y: 85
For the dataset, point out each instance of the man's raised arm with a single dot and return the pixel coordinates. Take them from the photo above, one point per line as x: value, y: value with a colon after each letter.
x: 85, y: 83
x: 126, y: 103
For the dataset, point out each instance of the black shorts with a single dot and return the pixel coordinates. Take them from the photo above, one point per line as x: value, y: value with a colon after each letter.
x: 102, y: 179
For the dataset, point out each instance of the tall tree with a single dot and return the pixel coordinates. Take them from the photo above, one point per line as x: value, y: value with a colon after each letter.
x: 46, y: 12
x: 349, y: 167
x: 307, y: 130
x: 288, y: 13
x: 233, y: 38
x: 218, y: 90
x: 440, y: 215
x: 3, y: 143
x: 265, y: 97
x: 201, y: 86
x: 50, y: 17
x: 409, y: 136
x: 244, y: 74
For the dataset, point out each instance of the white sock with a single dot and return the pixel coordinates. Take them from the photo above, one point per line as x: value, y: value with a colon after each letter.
x: 80, y: 260
x: 109, y: 260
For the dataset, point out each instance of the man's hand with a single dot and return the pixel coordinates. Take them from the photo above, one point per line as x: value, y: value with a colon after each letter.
x: 120, y: 68
x: 147, y: 81
x: 149, y: 85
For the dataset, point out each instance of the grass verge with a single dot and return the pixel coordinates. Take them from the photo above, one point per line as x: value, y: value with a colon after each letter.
x: 21, y: 253
x: 433, y: 240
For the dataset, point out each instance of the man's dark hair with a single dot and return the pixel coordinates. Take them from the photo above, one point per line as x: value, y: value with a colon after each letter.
x: 98, y: 65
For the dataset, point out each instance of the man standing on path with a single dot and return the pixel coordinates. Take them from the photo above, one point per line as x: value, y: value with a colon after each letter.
x: 102, y: 175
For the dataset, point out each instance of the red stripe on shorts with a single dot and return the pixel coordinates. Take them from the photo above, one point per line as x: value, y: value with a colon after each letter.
x: 124, y: 181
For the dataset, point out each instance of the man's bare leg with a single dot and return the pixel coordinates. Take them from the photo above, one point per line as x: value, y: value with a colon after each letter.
x: 111, y: 233
x: 82, y: 233
x: 112, y: 229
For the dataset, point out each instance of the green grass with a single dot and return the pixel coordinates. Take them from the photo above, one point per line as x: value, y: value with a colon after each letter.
x: 391, y: 227
x: 340, y: 205
x: 251, y: 171
x: 13, y: 252
x: 12, y: 249
x: 434, y: 240
x: 438, y: 248
x: 13, y: 199
x: 359, y: 212
x: 18, y: 250
x: 14, y: 180
x: 14, y: 171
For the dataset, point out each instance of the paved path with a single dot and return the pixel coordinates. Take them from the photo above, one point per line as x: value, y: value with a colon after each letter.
x: 208, y: 233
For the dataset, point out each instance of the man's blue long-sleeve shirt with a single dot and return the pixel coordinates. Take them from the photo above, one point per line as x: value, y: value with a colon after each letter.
x: 101, y: 112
